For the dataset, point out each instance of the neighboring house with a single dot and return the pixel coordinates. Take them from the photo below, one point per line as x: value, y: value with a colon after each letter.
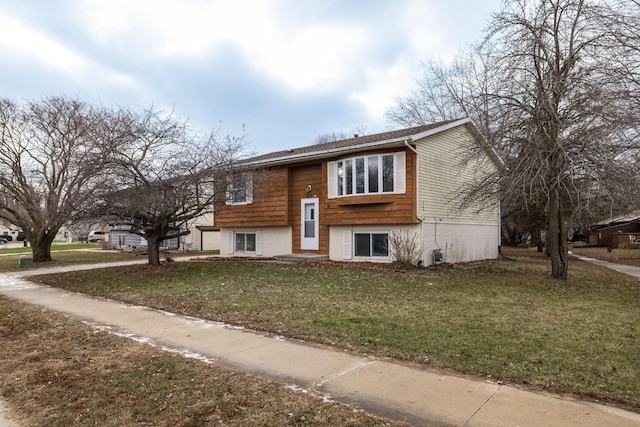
x: 120, y: 237
x: 344, y: 199
x: 203, y: 236
x: 10, y: 233
x: 620, y: 231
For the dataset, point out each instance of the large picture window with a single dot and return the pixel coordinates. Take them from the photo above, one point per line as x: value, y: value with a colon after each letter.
x: 371, y: 244
x: 365, y: 175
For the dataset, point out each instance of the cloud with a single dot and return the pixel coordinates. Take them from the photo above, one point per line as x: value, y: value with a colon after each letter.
x: 297, y: 51
x: 20, y: 40
x: 51, y: 59
x: 288, y: 69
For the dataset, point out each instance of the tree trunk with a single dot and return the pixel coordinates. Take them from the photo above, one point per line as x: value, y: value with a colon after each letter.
x: 154, y: 253
x: 41, y: 247
x: 537, y: 237
x: 557, y: 239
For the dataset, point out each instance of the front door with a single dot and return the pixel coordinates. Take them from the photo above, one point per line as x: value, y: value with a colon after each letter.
x: 309, y: 224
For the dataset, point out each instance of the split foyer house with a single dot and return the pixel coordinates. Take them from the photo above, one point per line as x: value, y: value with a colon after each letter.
x: 344, y: 199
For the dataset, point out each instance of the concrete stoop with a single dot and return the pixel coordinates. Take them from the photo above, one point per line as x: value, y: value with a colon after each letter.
x: 301, y: 257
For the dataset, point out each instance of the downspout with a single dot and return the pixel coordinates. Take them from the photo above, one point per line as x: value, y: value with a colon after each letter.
x: 503, y: 256
x: 407, y: 143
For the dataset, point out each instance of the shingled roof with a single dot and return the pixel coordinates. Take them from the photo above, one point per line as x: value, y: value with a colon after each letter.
x: 621, y: 219
x: 345, y: 144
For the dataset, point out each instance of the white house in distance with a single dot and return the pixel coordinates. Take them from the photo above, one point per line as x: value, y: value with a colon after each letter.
x: 203, y: 236
x: 342, y: 200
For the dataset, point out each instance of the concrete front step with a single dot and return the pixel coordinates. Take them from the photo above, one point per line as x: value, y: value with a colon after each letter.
x: 301, y: 257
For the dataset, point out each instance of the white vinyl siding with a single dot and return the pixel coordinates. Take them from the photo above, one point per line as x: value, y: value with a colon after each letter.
x: 442, y: 175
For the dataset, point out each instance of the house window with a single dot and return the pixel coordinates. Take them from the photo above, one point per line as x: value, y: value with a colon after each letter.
x: 371, y: 244
x: 365, y: 175
x: 245, y: 242
x: 240, y: 189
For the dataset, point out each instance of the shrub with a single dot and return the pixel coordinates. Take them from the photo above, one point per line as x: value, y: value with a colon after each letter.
x: 405, y: 248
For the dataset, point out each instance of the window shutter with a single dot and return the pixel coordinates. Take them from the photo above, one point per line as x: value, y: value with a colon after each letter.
x: 331, y: 180
x: 249, y: 189
x: 227, y: 200
x: 400, y: 174
x: 258, y: 242
x: 397, y: 236
x: 346, y: 244
x: 230, y: 242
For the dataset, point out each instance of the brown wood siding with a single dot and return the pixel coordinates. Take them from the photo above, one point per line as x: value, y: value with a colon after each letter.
x: 277, y: 199
x: 269, y: 207
x: 377, y: 208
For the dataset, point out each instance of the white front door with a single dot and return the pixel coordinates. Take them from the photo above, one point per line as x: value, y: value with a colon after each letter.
x: 309, y: 224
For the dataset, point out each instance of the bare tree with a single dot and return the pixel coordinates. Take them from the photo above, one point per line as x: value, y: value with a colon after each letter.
x: 163, y: 176
x: 575, y: 109
x: 52, y: 152
x: 339, y: 136
x: 554, y: 90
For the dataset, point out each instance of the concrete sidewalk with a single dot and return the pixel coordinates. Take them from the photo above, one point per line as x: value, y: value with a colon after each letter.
x: 620, y: 268
x: 380, y: 387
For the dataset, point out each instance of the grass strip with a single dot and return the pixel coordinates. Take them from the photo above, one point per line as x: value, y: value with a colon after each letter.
x: 55, y: 371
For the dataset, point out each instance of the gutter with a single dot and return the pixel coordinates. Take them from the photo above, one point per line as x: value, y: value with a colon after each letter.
x: 353, y: 148
x: 325, y: 153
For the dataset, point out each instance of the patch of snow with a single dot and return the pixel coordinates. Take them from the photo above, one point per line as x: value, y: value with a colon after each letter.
x: 326, y: 398
x: 167, y: 313
x: 17, y: 283
x: 297, y: 388
x: 98, y: 328
x: 188, y: 354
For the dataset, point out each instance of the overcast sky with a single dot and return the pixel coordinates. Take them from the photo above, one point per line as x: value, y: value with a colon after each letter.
x: 285, y: 70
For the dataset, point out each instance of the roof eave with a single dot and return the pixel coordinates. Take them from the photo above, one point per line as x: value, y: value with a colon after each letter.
x: 393, y: 142
x: 327, y: 153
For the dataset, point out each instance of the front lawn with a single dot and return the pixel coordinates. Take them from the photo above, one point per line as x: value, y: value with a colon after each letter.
x: 507, y: 321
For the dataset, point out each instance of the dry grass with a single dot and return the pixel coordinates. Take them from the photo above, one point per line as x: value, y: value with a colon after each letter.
x: 504, y: 320
x: 58, y: 372
x: 9, y: 261
x: 619, y: 256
